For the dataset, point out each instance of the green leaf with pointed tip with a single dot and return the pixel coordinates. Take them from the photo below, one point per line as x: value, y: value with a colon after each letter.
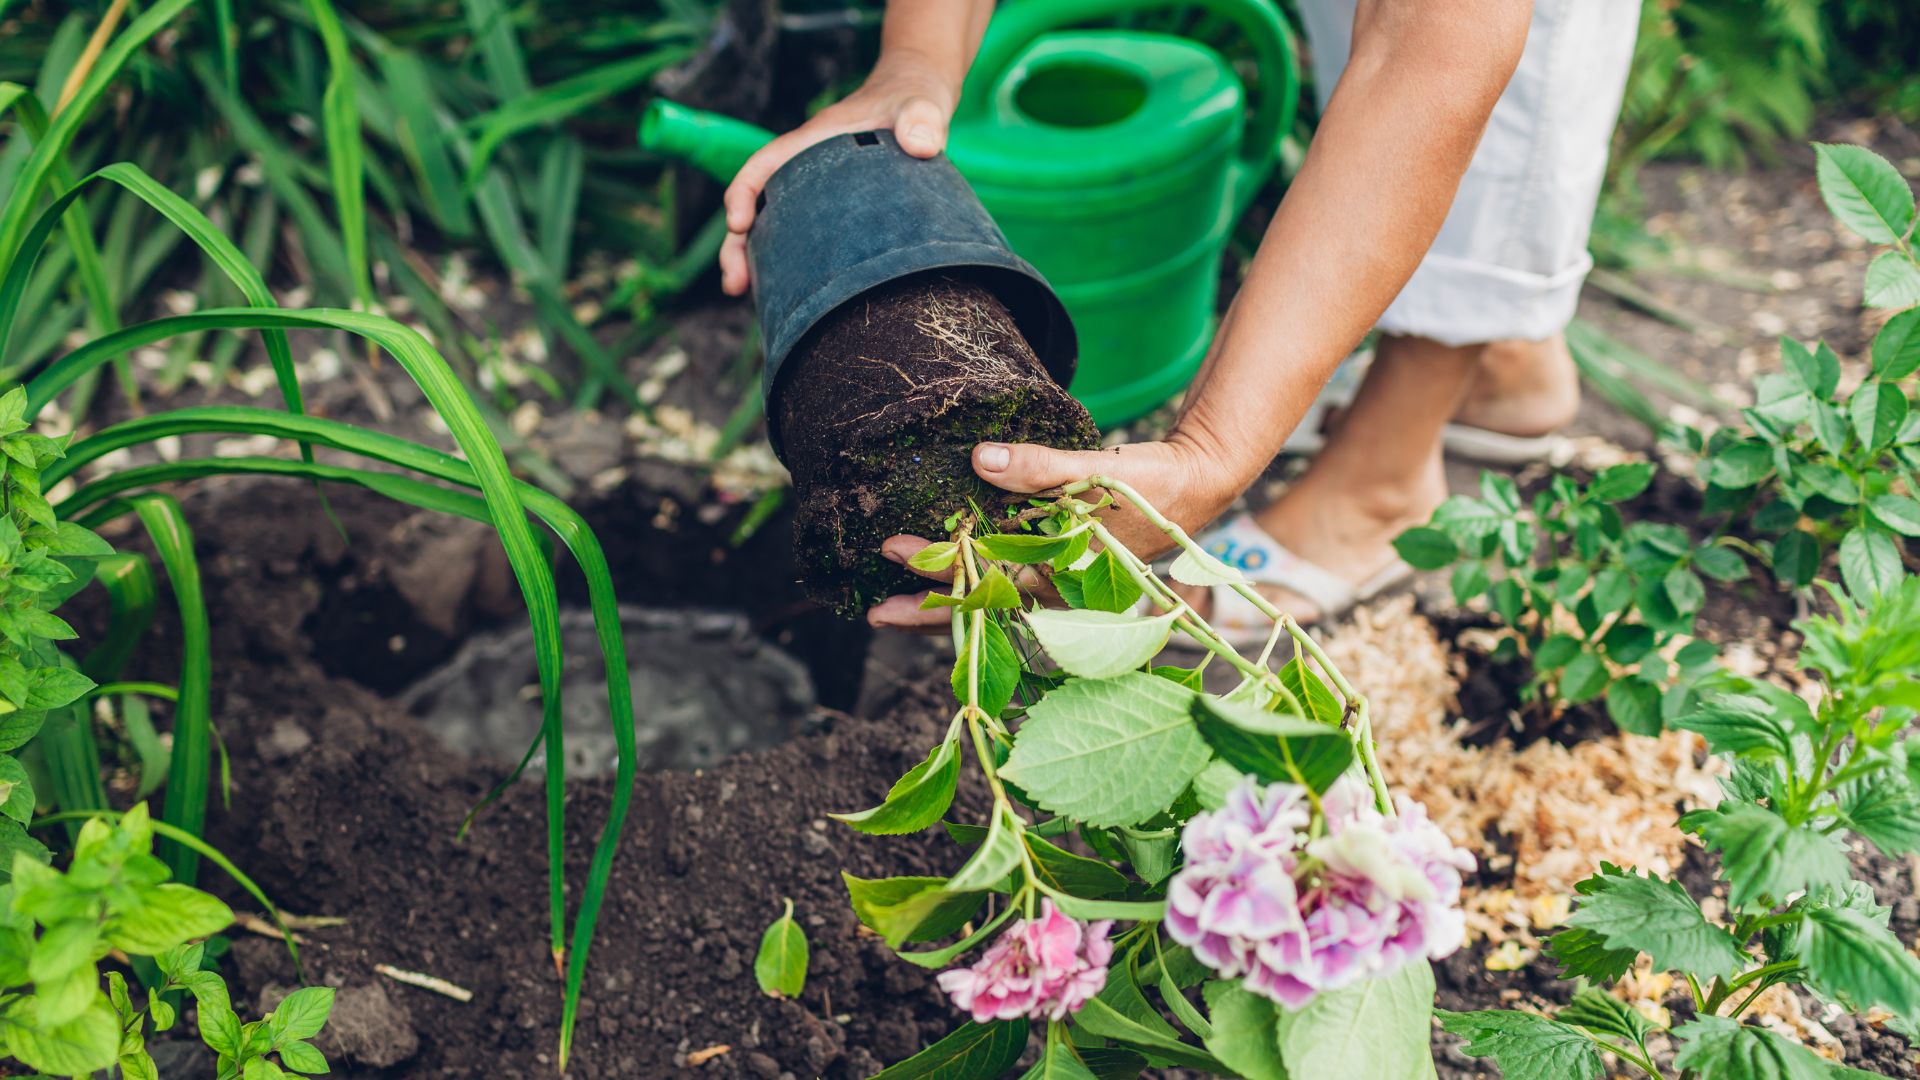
x: 1893, y: 281
x: 972, y: 1050
x: 165, y: 916
x: 997, y: 856
x: 994, y: 591
x: 935, y: 557
x: 1877, y: 409
x: 1870, y: 562
x: 1378, y: 1027
x: 1075, y: 875
x: 1896, y: 348
x: 1525, y: 1046
x: 83, y: 1045
x: 1849, y: 956
x: 1315, y: 697
x: 1270, y: 746
x: 1108, y: 751
x: 999, y: 670
x: 780, y: 967
x: 1058, y: 1062
x: 1864, y: 192
x: 1426, y: 548
x: 1105, y: 585
x: 1764, y: 858
x: 1742, y: 725
x: 904, y: 909
x: 1245, y: 1033
x: 1716, y: 1048
x: 1901, y: 513
x: 1885, y: 811
x: 917, y: 800
x: 1618, y: 483
x: 301, y: 1014
x: 302, y: 1057
x: 1099, y: 644
x: 1022, y: 548
x: 1598, y: 1011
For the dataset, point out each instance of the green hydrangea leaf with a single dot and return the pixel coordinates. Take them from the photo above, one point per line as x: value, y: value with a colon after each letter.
x: 1108, y: 751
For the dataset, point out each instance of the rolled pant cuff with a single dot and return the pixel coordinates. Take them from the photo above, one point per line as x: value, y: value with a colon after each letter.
x: 1460, y: 302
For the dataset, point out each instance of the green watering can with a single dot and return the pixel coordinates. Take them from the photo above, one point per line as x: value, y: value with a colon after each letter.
x: 1115, y: 161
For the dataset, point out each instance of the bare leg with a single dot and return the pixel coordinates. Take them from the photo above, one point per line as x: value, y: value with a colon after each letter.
x: 1380, y: 471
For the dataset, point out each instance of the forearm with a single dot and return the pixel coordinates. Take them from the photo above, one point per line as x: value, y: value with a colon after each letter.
x: 939, y: 35
x: 1396, y: 137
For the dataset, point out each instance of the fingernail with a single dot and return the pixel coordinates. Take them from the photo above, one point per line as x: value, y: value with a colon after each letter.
x: 994, y: 457
x: 920, y: 135
x: 892, y: 555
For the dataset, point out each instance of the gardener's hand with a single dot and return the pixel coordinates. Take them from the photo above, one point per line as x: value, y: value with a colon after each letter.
x: 1182, y: 478
x: 904, y: 93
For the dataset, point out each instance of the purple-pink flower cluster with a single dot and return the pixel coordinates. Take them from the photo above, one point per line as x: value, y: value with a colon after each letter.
x: 1042, y: 968
x: 1291, y: 916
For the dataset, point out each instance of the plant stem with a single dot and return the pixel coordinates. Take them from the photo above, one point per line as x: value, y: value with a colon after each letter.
x: 1351, y: 701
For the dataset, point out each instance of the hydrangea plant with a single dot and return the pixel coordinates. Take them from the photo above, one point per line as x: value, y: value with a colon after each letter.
x: 1248, y: 867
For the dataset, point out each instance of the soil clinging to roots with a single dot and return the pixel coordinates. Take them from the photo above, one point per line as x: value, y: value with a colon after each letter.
x: 879, y: 415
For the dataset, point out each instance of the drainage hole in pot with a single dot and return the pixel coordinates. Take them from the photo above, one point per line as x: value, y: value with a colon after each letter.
x: 704, y: 686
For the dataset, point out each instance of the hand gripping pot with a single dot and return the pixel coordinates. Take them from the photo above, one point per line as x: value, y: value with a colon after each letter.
x: 856, y: 212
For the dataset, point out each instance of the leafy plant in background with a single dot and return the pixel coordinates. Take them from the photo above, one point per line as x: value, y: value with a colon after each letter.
x: 329, y: 139
x: 43, y: 561
x: 1266, y: 866
x: 1817, y: 469
x: 476, y: 484
x: 60, y: 1017
x: 1804, y: 779
x: 1595, y: 604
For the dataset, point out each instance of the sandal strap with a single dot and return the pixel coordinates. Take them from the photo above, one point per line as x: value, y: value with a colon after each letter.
x: 1244, y: 545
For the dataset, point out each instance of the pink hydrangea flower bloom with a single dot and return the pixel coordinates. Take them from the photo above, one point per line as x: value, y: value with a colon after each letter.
x: 1042, y: 968
x: 1258, y: 901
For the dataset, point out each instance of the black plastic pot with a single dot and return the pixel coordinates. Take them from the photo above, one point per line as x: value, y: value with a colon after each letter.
x: 855, y: 212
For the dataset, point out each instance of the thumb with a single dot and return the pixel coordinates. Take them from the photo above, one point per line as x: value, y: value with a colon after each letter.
x: 1027, y: 467
x: 921, y: 127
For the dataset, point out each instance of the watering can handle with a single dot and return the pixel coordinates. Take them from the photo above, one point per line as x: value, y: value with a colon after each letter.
x: 1018, y: 22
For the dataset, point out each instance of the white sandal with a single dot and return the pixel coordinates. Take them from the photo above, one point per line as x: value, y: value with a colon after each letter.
x: 1463, y: 442
x: 1245, y: 546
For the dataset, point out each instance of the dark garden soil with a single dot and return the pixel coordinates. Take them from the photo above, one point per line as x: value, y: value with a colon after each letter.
x: 344, y: 806
x: 878, y: 413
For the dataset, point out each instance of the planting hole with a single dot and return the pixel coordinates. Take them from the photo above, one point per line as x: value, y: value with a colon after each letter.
x: 704, y: 686
x: 1081, y: 95
x: 866, y: 138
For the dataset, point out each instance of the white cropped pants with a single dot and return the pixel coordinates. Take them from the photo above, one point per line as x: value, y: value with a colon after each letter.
x: 1510, y: 258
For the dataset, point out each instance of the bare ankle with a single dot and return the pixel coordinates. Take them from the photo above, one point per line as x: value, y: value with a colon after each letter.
x: 1523, y: 388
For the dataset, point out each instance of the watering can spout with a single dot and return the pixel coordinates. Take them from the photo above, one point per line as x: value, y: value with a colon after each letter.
x: 714, y: 144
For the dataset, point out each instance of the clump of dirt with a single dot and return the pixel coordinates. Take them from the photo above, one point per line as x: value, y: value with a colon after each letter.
x: 878, y: 416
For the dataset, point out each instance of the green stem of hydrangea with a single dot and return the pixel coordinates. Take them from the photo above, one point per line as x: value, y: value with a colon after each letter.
x: 1353, y: 702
